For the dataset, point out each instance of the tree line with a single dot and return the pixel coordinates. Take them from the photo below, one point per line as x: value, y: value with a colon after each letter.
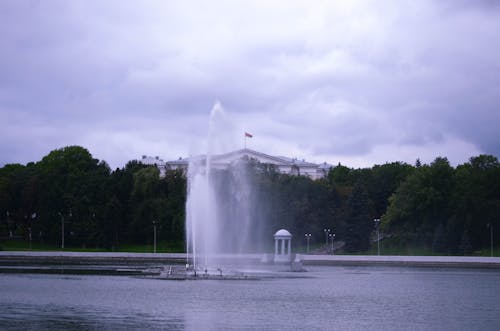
x: 99, y: 207
x: 437, y: 207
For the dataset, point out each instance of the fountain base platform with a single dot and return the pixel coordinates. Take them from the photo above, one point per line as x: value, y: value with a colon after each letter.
x: 179, y: 272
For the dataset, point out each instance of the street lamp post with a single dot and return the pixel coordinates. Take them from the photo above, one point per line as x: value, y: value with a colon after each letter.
x: 491, y: 238
x: 62, y: 227
x: 377, y: 224
x: 8, y: 225
x: 33, y: 216
x: 327, y: 232
x: 308, y: 237
x: 332, y: 237
x: 62, y: 230
x: 28, y: 221
x: 154, y: 237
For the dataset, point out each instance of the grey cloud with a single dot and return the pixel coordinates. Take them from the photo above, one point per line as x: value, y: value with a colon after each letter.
x: 407, y: 73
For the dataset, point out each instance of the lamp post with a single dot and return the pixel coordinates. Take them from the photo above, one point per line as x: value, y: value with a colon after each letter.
x: 62, y: 227
x: 377, y: 224
x: 332, y: 237
x: 154, y: 237
x: 491, y: 238
x: 327, y: 232
x: 28, y: 221
x: 33, y: 216
x: 62, y: 230
x: 8, y: 225
x: 308, y: 237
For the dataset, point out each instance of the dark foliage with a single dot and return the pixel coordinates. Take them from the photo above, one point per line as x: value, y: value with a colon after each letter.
x: 437, y: 206
x: 99, y: 208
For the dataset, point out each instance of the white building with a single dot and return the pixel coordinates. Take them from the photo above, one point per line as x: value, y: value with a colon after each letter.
x: 155, y: 161
x: 284, y: 165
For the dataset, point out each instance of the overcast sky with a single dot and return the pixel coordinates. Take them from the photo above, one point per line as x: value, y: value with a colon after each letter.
x: 356, y: 82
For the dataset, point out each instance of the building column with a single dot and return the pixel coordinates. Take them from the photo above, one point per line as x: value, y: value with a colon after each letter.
x: 289, y: 246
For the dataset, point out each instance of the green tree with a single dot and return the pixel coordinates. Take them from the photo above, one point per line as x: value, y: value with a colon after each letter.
x: 383, y: 182
x: 421, y: 203
x: 341, y: 175
x: 145, y: 204
x: 119, y: 208
x: 358, y: 221
x: 175, y: 206
x: 476, y: 200
x: 17, y: 198
x: 73, y: 187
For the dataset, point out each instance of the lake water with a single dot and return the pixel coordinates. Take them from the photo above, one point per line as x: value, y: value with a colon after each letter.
x: 326, y: 298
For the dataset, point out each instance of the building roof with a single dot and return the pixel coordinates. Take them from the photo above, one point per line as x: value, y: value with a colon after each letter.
x: 284, y: 164
x: 238, y: 154
x: 325, y: 166
x: 149, y: 160
x: 283, y: 233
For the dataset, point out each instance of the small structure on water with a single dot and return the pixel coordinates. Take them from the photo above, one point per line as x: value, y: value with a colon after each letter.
x: 282, y: 246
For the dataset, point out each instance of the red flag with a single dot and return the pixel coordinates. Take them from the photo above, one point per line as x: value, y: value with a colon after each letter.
x: 248, y: 135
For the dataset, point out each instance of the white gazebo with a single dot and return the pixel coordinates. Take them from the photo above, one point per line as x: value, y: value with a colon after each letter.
x: 283, y: 250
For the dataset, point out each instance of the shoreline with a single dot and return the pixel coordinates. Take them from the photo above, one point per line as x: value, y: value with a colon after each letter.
x: 72, y: 258
x: 403, y: 261
x: 22, y: 258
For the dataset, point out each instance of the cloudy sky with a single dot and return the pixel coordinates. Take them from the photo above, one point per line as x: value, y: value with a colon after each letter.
x: 356, y: 82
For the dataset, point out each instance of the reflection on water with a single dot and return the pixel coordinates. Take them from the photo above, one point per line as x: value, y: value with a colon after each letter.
x: 57, y: 317
x: 357, y: 298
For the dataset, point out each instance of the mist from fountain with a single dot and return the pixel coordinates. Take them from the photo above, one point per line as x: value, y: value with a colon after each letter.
x: 221, y: 204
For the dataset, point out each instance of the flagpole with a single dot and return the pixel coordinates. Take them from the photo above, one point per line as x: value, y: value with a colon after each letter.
x: 245, y: 136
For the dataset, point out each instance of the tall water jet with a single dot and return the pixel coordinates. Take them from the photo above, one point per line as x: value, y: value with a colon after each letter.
x: 220, y: 200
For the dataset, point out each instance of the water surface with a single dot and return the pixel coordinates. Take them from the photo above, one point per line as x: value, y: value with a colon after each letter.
x: 327, y: 298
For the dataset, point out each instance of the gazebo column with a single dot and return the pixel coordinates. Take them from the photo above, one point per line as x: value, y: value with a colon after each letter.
x: 283, y: 250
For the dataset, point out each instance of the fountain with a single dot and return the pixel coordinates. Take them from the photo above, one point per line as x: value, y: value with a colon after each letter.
x: 224, y: 219
x: 220, y: 222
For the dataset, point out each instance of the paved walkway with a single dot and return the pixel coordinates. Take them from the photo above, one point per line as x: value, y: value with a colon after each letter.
x: 428, y: 261
x: 90, y: 254
x: 35, y: 257
x: 367, y: 260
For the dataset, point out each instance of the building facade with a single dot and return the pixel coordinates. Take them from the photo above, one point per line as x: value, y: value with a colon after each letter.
x: 285, y: 165
x: 155, y: 161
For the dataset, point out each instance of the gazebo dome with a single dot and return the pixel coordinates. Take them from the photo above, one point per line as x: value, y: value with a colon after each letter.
x: 282, y: 246
x: 283, y: 234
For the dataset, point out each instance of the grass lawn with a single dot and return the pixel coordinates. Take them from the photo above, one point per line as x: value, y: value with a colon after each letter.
x: 424, y: 251
x: 21, y: 245
x: 169, y: 247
